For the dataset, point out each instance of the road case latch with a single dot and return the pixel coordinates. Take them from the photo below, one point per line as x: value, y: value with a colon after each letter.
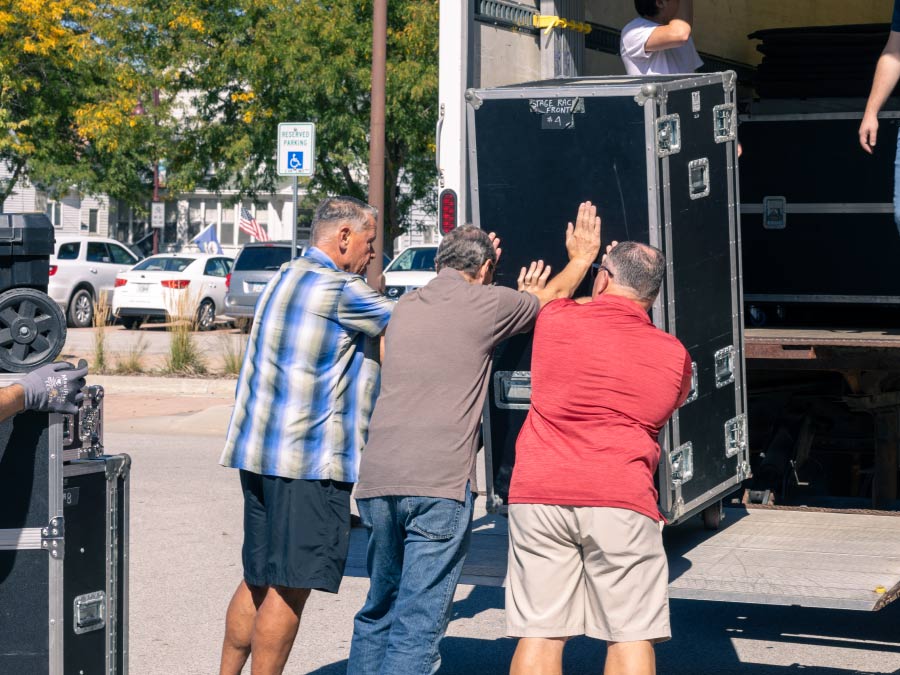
x: 695, y: 385
x: 668, y: 135
x: 724, y: 122
x: 512, y: 389
x: 89, y: 612
x: 736, y: 436
x: 53, y: 538
x: 681, y: 460
x: 724, y: 367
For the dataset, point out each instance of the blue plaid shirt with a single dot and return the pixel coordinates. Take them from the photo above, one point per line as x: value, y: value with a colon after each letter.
x: 306, y: 388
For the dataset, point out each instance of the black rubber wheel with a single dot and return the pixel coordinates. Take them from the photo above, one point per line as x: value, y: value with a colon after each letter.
x: 206, y: 315
x: 712, y: 516
x: 81, y: 309
x: 132, y: 322
x: 32, y: 330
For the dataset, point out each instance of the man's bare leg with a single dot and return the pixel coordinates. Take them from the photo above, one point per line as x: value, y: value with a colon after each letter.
x: 239, y: 627
x: 538, y: 656
x: 630, y: 658
x: 277, y: 621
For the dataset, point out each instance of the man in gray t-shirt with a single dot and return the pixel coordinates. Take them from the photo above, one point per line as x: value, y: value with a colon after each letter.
x: 418, y: 467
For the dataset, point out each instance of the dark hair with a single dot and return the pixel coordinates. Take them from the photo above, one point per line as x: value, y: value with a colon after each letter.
x: 639, y: 267
x: 336, y: 210
x: 465, y: 249
x: 646, y: 8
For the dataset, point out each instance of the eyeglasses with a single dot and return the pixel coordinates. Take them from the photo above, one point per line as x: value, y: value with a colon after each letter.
x: 597, y: 267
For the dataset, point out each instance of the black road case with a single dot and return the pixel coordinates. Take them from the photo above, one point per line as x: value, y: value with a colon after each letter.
x: 63, y: 546
x: 817, y: 211
x: 657, y: 155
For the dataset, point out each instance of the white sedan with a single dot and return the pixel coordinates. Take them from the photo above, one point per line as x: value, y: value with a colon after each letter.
x: 172, y: 285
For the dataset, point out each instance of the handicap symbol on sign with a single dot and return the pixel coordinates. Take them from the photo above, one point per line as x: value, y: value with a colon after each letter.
x: 295, y: 160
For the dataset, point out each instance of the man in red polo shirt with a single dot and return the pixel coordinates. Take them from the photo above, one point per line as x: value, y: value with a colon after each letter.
x: 586, y: 554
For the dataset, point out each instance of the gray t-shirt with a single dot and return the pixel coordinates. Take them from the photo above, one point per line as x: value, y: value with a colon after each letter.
x: 424, y: 432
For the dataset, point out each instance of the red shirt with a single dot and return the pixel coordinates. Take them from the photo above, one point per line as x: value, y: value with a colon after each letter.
x: 604, y: 381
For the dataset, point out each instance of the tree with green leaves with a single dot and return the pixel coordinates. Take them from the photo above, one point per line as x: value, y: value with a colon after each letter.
x: 257, y: 63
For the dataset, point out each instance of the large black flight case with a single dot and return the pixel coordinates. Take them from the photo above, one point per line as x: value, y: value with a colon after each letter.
x: 817, y: 211
x: 63, y: 544
x: 658, y: 156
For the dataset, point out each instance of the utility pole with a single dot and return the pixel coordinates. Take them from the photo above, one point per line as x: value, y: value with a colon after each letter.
x: 155, y: 170
x: 376, y: 135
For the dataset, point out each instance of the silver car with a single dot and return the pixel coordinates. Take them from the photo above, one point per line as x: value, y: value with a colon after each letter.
x: 255, y: 264
x: 81, y: 269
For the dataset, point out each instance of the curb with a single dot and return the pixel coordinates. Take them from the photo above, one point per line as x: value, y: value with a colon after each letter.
x: 148, y: 384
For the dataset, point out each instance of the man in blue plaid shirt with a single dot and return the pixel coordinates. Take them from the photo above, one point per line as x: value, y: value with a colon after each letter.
x: 301, y: 416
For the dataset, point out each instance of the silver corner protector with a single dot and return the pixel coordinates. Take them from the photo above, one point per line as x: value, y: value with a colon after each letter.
x: 473, y: 98
x: 729, y: 80
x: 648, y: 91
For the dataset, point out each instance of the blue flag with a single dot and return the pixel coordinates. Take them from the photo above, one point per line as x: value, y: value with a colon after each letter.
x: 207, y: 240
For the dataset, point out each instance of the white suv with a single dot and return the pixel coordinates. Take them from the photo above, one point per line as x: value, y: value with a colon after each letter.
x: 81, y: 269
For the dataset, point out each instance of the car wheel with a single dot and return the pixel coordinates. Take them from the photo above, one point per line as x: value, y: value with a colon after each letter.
x: 206, y: 315
x: 132, y: 322
x: 81, y: 309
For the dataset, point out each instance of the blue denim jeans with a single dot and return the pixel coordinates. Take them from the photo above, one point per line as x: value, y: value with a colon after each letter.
x: 415, y: 555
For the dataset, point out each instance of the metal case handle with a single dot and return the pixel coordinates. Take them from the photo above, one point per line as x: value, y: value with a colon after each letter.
x: 89, y: 612
x: 736, y: 436
x: 668, y: 135
x: 512, y: 389
x: 695, y: 385
x: 698, y: 178
x: 681, y: 460
x: 724, y: 367
x: 724, y: 123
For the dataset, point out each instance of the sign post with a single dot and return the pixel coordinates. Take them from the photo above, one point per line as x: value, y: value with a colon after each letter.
x: 158, y: 215
x: 296, y: 157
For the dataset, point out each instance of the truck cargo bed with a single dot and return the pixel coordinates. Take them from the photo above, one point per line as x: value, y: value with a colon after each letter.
x: 775, y: 556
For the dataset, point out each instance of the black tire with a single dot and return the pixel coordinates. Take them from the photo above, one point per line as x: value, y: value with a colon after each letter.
x: 132, y: 322
x: 32, y: 330
x: 206, y: 315
x: 81, y: 309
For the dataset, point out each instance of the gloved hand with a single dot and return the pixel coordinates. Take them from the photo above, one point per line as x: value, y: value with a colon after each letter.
x: 55, y: 387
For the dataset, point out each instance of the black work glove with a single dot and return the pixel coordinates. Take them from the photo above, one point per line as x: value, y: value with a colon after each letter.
x: 55, y: 387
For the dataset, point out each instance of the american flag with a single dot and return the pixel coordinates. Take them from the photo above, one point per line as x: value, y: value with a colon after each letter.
x: 249, y: 225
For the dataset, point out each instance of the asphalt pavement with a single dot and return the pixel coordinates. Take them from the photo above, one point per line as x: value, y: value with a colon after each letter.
x: 185, y: 563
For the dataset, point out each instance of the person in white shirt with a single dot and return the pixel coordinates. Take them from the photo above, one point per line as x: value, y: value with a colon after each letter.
x: 659, y: 41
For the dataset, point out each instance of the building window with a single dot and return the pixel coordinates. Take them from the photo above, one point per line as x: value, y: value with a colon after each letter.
x: 195, y: 218
x: 54, y: 213
x: 92, y: 220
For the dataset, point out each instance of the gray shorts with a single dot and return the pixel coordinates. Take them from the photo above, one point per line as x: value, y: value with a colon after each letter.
x: 586, y: 570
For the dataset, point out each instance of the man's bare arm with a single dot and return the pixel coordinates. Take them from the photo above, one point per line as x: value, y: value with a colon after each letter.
x: 583, y: 245
x: 887, y: 74
x: 675, y: 33
x: 12, y: 401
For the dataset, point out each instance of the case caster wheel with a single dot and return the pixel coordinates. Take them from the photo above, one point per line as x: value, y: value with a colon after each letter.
x: 32, y: 330
x: 712, y: 516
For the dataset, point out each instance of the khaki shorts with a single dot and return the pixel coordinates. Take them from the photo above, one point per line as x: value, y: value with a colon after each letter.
x: 586, y: 570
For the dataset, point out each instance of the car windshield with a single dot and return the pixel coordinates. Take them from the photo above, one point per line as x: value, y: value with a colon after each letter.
x: 163, y: 264
x: 414, y: 260
x: 263, y: 258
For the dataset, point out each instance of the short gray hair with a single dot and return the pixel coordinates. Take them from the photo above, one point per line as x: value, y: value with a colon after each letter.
x: 465, y: 249
x: 333, y: 211
x: 638, y: 266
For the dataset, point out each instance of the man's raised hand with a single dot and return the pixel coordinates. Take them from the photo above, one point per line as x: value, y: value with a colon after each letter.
x: 583, y: 238
x: 533, y: 279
